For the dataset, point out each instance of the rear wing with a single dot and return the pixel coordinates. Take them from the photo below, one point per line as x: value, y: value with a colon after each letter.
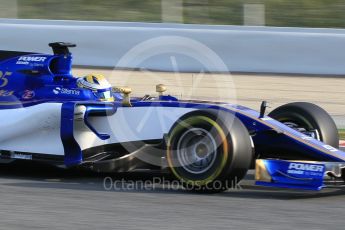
x: 61, y: 47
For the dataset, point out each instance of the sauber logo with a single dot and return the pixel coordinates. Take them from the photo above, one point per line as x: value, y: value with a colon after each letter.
x: 306, y: 167
x: 28, y: 94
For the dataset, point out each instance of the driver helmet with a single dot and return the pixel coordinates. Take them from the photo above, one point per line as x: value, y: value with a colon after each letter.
x: 100, y: 87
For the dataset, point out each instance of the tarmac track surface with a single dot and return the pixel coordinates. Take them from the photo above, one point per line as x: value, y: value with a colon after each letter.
x: 37, y: 196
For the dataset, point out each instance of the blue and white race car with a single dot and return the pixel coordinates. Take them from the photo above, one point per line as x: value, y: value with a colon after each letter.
x: 51, y: 116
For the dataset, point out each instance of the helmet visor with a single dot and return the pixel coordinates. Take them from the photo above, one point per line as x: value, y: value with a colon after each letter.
x: 104, y: 96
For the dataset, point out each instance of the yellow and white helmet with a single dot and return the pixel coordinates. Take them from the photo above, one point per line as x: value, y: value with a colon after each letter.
x: 99, y: 86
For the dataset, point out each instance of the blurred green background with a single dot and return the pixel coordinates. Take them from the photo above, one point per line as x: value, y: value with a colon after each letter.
x: 342, y: 134
x: 292, y: 13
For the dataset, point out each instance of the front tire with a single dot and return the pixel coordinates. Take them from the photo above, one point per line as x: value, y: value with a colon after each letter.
x: 207, y: 153
x: 308, y: 117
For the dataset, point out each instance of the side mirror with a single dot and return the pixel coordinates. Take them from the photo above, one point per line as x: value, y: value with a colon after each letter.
x: 160, y: 89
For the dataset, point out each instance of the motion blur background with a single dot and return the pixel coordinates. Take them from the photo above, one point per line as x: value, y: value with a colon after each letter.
x: 281, y: 13
x: 266, y: 51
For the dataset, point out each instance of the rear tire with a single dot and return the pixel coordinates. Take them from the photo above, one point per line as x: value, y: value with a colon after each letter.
x: 207, y: 153
x: 309, y: 116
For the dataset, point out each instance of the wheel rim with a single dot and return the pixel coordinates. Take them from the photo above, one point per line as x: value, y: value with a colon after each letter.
x: 196, y: 150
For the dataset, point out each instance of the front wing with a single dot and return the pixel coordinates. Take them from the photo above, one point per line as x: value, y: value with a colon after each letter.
x: 307, y: 175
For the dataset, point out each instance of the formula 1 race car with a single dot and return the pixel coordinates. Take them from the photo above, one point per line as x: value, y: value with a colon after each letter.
x: 51, y: 116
